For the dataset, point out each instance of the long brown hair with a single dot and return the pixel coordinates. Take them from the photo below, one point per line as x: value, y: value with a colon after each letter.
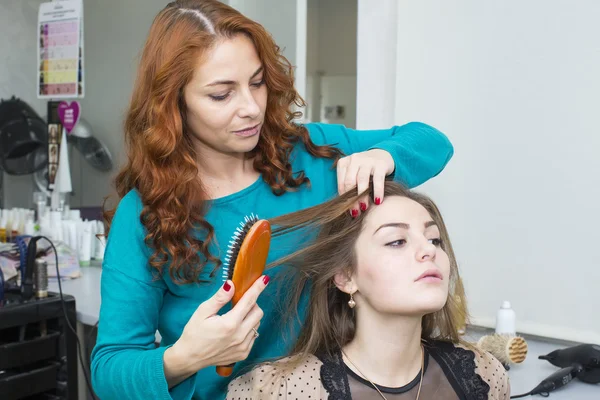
x: 330, y: 324
x: 162, y: 162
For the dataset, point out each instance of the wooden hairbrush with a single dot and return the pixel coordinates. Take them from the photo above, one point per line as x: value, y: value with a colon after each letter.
x: 245, y: 261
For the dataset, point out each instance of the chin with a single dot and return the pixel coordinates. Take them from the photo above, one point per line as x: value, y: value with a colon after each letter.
x: 244, y: 146
x: 421, y: 305
x: 432, y: 307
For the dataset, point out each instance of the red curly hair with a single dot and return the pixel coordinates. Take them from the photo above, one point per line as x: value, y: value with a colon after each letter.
x: 162, y: 163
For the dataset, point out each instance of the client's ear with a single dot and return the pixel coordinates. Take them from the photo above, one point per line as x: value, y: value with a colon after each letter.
x: 343, y: 281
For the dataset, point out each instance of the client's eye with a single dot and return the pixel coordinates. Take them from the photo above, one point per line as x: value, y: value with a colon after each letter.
x: 258, y: 84
x: 396, y: 243
x: 436, y: 242
x: 215, y: 97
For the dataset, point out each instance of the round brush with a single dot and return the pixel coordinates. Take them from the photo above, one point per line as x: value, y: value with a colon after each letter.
x: 506, y: 348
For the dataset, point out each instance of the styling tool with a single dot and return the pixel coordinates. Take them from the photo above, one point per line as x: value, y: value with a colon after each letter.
x: 508, y: 349
x: 587, y: 355
x: 581, y: 362
x: 557, y: 380
x: 245, y: 261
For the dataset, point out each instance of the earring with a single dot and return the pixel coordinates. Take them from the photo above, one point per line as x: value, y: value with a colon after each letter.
x: 351, y: 302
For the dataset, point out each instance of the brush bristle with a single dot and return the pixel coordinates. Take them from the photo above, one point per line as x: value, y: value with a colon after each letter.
x: 235, y: 244
x: 517, y: 349
x: 506, y: 348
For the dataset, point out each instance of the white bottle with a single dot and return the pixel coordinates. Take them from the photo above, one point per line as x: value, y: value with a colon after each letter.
x: 101, y: 243
x: 506, y: 320
x: 56, y: 225
x: 85, y: 245
x: 29, y: 228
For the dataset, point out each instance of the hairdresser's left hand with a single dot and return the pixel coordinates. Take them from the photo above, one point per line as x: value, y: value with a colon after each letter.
x: 355, y: 171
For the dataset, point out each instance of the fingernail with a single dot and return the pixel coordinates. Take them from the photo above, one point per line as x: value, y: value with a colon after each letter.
x: 354, y: 213
x: 377, y: 200
x: 227, y: 287
x: 266, y: 279
x: 363, y: 206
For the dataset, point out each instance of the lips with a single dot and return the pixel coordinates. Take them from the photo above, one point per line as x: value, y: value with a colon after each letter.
x: 248, y: 129
x: 430, y: 273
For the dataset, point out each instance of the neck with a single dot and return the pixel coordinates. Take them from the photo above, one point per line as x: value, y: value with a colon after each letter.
x: 222, y: 174
x: 387, y: 350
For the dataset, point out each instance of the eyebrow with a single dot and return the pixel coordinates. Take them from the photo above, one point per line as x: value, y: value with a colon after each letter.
x: 224, y: 82
x: 403, y: 225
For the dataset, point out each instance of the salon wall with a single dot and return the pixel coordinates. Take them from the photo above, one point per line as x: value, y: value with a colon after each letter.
x: 114, y: 33
x: 271, y: 14
x: 18, y: 37
x: 286, y: 22
x: 331, y: 59
x: 515, y: 85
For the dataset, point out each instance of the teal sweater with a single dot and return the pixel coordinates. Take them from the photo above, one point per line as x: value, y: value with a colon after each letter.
x: 125, y: 362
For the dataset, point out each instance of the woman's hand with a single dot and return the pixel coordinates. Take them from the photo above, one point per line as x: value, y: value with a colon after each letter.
x: 209, y: 339
x: 355, y: 171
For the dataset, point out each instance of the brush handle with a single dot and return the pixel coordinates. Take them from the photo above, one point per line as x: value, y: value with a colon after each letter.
x: 225, y: 370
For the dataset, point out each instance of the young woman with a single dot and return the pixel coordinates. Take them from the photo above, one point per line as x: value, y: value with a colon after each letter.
x: 384, y: 311
x: 210, y: 139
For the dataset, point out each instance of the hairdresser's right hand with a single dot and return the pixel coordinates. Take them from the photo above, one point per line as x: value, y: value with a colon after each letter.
x: 209, y: 339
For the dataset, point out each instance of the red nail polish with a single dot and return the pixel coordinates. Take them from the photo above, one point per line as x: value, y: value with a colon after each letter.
x: 266, y: 279
x: 354, y: 213
x: 377, y: 200
x: 227, y: 286
x: 363, y: 206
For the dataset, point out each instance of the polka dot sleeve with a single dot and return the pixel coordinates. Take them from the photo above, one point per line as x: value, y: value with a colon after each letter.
x: 280, y: 380
x: 494, y: 374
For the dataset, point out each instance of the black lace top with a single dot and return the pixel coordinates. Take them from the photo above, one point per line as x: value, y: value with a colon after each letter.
x: 451, y: 376
x: 452, y: 372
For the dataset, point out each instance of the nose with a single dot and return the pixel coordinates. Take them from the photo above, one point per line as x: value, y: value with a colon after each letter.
x: 426, y: 251
x: 248, y: 106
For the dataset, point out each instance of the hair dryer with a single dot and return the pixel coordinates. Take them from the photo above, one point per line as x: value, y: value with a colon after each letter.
x: 581, y: 361
x: 586, y: 355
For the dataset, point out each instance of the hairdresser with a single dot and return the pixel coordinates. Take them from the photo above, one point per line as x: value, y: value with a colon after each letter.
x: 210, y: 139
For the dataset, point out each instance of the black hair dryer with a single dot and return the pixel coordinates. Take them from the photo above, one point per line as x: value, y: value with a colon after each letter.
x: 581, y: 361
x: 586, y: 355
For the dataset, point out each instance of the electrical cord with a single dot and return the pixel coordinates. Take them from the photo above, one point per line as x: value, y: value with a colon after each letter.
x: 62, y: 301
x: 521, y: 395
x: 543, y: 394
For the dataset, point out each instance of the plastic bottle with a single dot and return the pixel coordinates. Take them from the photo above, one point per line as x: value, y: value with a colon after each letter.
x: 29, y: 227
x: 506, y: 320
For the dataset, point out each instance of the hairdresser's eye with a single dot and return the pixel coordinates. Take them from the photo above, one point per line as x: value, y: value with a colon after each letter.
x: 219, y: 97
x: 258, y: 84
x: 436, y: 242
x: 397, y: 243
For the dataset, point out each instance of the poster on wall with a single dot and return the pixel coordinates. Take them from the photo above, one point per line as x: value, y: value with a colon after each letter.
x: 60, y: 50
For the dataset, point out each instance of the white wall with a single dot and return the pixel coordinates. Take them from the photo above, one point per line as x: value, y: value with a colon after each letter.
x: 339, y: 90
x: 110, y: 61
x: 331, y: 59
x: 515, y: 85
x: 286, y: 22
x: 376, y: 64
x: 332, y: 37
x: 278, y: 18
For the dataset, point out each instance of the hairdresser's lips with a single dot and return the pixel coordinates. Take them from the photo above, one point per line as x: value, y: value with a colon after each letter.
x: 430, y: 276
x: 248, y: 132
